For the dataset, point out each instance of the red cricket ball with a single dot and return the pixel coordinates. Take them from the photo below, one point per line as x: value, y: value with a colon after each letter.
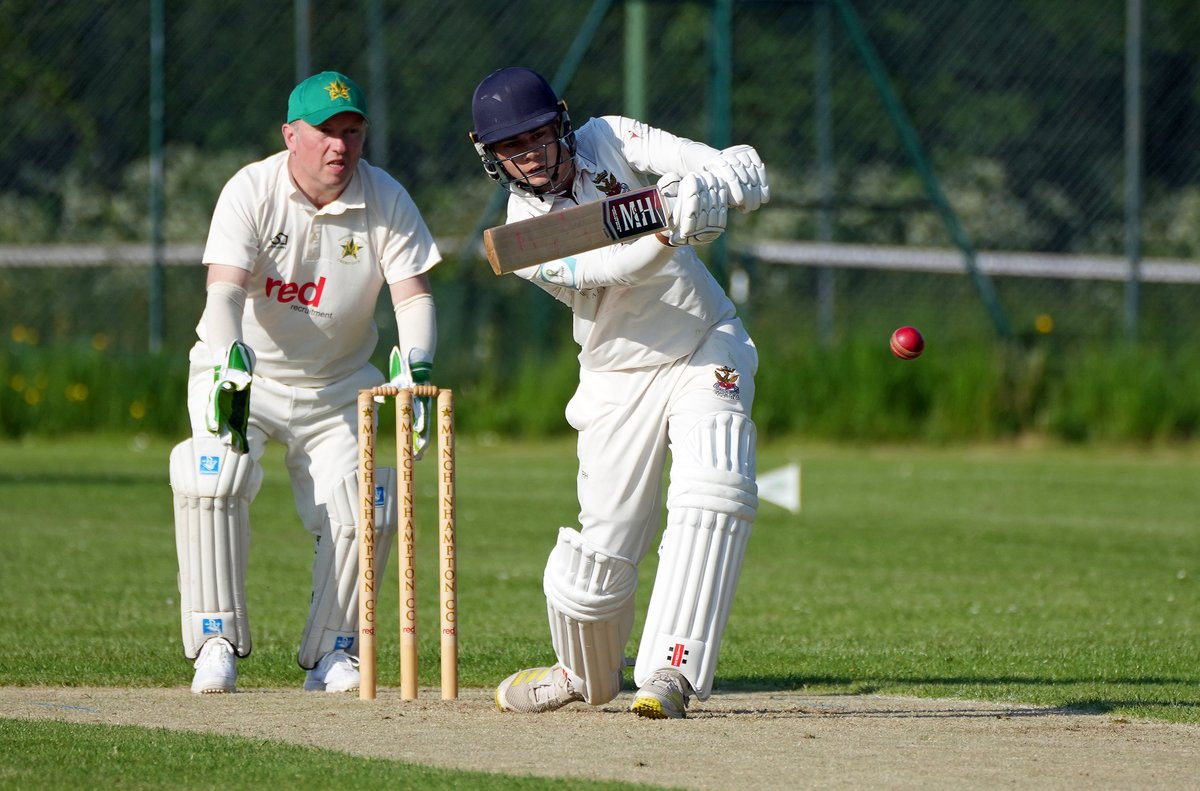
x: 907, y: 343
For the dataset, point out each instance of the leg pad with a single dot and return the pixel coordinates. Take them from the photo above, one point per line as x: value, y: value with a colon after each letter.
x: 213, y: 488
x: 333, y: 612
x: 711, y: 505
x: 589, y: 600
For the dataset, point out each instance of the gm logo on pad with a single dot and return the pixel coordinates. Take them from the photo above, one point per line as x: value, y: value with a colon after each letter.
x: 210, y: 465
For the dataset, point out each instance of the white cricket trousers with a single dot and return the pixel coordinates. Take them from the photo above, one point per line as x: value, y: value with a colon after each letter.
x: 318, y: 426
x: 627, y: 421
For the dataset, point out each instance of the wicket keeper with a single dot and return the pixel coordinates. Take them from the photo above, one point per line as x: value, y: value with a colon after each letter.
x: 300, y: 245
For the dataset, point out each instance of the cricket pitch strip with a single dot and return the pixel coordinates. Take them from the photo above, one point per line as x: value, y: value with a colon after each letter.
x: 764, y: 740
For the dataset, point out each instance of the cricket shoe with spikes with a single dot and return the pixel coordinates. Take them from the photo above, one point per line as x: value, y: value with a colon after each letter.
x: 336, y: 672
x: 536, y: 690
x: 664, y: 696
x: 216, y: 668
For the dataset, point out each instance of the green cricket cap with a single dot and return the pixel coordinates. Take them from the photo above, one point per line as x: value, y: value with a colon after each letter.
x: 323, y: 96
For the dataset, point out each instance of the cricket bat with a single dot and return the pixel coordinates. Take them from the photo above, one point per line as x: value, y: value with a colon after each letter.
x: 576, y: 230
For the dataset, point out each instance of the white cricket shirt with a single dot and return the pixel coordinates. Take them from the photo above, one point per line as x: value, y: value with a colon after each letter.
x: 666, y: 315
x: 315, y: 274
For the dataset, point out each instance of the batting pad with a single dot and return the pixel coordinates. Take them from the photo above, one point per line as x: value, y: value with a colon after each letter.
x: 589, y: 600
x: 213, y: 488
x: 333, y: 613
x: 711, y: 505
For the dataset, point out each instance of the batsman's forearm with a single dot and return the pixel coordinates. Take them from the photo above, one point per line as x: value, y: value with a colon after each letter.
x: 622, y: 265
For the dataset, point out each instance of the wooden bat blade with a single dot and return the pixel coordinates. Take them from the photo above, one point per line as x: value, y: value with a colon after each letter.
x: 575, y: 230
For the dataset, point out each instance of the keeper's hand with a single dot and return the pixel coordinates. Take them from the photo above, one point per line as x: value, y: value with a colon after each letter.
x: 420, y: 373
x: 743, y: 173
x: 697, y: 205
x: 228, y: 413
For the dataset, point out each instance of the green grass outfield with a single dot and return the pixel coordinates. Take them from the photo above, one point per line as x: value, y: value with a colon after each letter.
x: 1062, y: 577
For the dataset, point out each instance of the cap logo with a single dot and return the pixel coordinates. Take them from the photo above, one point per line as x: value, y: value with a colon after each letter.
x: 338, y: 90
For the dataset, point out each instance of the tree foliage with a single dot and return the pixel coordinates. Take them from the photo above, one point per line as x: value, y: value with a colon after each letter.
x: 1034, y: 89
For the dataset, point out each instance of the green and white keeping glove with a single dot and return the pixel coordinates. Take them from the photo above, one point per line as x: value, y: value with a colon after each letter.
x: 228, y: 413
x: 416, y: 372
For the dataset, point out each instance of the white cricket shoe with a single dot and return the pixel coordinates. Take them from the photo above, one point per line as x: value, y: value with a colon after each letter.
x: 336, y: 672
x: 535, y: 690
x: 216, y: 668
x: 664, y: 696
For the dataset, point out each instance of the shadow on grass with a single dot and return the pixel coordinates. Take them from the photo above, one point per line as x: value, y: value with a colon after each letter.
x: 868, y: 685
x: 1094, y: 706
x: 844, y: 687
x: 905, y: 712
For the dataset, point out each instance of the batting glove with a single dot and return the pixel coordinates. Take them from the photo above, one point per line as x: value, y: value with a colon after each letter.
x: 743, y: 173
x: 698, y: 207
x: 228, y: 413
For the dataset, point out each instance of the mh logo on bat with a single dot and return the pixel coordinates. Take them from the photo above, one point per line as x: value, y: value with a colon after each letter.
x: 634, y: 214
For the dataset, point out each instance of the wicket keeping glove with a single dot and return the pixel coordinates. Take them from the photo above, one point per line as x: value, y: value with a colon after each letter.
x: 417, y: 373
x: 228, y: 414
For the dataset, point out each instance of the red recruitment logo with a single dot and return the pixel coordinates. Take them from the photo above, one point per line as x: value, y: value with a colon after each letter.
x: 305, y: 293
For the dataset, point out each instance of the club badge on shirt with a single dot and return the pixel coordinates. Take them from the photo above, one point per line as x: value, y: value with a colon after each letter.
x: 351, y: 247
x: 609, y: 184
x: 726, y: 385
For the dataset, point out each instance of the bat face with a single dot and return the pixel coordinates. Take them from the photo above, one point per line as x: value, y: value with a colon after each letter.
x: 576, y: 230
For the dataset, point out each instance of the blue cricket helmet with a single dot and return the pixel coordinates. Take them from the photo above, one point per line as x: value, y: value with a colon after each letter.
x: 511, y: 101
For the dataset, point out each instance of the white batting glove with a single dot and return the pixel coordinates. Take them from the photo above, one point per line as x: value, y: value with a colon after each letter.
x: 698, y: 207
x: 228, y: 413
x: 744, y: 174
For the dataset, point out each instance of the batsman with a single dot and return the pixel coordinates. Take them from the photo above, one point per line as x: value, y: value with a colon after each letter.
x: 299, y: 248
x: 665, y: 367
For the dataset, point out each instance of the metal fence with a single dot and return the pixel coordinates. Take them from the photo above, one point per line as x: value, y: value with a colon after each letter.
x: 916, y: 147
